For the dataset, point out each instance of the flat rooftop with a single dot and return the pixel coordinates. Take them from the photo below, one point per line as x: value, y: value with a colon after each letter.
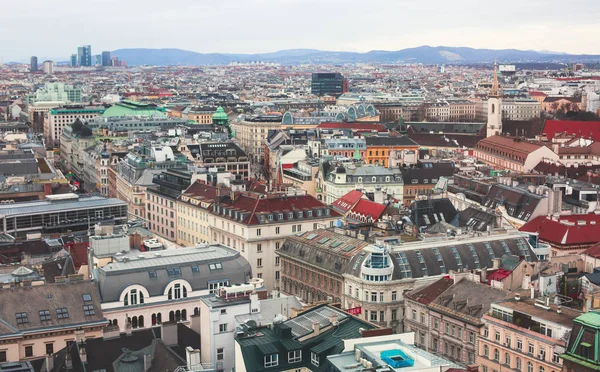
x: 374, y: 352
x: 136, y: 260
x: 48, y: 206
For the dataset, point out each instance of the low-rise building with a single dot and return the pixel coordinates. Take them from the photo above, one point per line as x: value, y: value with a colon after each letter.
x: 581, y: 351
x: 42, y: 319
x: 513, y: 154
x: 341, y: 180
x: 145, y: 289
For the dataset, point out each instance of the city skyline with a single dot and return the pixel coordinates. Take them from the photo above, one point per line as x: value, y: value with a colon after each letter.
x: 258, y: 26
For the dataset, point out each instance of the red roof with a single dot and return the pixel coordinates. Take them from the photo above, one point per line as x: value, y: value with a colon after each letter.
x: 593, y: 251
x: 537, y: 94
x: 79, y: 253
x: 587, y: 129
x: 579, y: 229
x: 346, y: 202
x: 498, y: 275
x: 255, y: 204
x: 369, y: 208
x: 354, y: 126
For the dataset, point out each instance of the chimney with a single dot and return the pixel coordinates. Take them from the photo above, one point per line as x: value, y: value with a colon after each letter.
x: 254, y: 303
x: 110, y: 332
x: 333, y: 318
x: 496, y: 263
x: 79, y: 333
x: 169, y: 333
x: 195, y: 323
x: 147, y: 362
x: 532, y: 293
x: 192, y: 356
x: 68, y: 361
x: 483, y: 274
x: 49, y: 362
x: 316, y: 328
x: 47, y: 189
x: 82, y: 353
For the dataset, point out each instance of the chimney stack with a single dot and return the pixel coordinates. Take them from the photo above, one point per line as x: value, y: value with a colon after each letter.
x: 169, y: 333
x: 192, y: 357
x: 49, y: 362
x: 147, y: 362
x: 316, y: 328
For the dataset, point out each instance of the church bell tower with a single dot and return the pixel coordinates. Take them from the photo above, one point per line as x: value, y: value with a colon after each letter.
x: 494, y: 121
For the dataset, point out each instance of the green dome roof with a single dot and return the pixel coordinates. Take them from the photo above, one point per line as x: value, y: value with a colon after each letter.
x: 220, y: 114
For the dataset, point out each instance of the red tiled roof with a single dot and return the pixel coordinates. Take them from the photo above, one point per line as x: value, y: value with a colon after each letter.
x: 593, y: 251
x: 368, y: 208
x: 555, y: 232
x: 346, y: 202
x: 586, y: 129
x: 498, y: 275
x: 78, y: 253
x: 509, y: 145
x: 270, y: 204
x: 353, y: 126
x: 537, y: 94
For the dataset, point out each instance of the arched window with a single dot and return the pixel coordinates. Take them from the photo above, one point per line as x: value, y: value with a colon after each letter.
x: 177, y: 291
x: 486, y: 350
x: 529, y: 367
x: 387, y: 179
x: 542, y: 369
x: 141, y: 321
x: 115, y: 322
x: 518, y: 364
x: 359, y: 179
x: 496, y: 355
x: 507, y: 359
x: 153, y: 319
x: 159, y: 318
x: 133, y: 297
x: 197, y: 311
x: 374, y: 179
x: 493, y: 108
x: 171, y: 316
x: 184, y: 315
x: 134, y: 322
x: 178, y: 315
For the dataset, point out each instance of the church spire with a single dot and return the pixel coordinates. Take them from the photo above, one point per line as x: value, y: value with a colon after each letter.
x: 495, y: 91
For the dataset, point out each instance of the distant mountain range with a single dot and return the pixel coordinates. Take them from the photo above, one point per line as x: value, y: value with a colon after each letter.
x: 422, y: 54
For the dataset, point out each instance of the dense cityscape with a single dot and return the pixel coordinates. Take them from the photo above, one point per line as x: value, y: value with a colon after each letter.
x: 271, y: 216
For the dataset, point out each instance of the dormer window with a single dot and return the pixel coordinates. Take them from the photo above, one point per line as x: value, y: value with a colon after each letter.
x: 280, y: 216
x: 373, y: 179
x: 270, y: 217
x: 327, y: 212
x: 299, y: 214
x: 291, y: 215
x: 309, y: 213
x: 387, y: 179
x: 318, y: 213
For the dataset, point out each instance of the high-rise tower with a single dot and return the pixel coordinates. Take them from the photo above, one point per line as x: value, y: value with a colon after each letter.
x: 494, y: 121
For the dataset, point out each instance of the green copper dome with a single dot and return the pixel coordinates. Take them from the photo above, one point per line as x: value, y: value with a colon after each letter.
x: 219, y: 115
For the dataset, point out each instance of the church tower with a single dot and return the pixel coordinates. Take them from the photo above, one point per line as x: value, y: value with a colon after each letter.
x: 494, y: 121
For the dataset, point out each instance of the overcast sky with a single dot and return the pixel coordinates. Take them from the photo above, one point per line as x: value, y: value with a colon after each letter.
x: 54, y: 28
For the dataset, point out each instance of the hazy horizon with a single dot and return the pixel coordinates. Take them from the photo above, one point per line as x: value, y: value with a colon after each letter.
x: 55, y: 29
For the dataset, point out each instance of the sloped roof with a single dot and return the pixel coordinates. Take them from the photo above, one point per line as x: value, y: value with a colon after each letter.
x: 368, y: 208
x: 586, y: 129
x: 427, y: 294
x: 347, y: 201
x: 582, y: 229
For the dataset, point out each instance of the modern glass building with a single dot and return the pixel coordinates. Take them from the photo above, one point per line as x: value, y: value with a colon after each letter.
x: 84, y: 55
x: 326, y: 83
x: 106, y: 59
x: 33, y: 64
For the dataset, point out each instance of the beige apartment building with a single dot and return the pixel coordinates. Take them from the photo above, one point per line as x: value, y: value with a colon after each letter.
x: 525, y: 334
x: 451, y: 110
x: 257, y: 225
x: 161, y: 202
x: 41, y: 320
x: 251, y: 132
x: 193, y: 212
x: 199, y: 114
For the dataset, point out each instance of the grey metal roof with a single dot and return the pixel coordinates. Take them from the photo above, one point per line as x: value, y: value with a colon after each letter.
x: 135, y: 268
x: 47, y: 206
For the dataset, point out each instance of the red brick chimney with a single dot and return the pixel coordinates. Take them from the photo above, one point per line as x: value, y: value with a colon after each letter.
x: 47, y: 189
